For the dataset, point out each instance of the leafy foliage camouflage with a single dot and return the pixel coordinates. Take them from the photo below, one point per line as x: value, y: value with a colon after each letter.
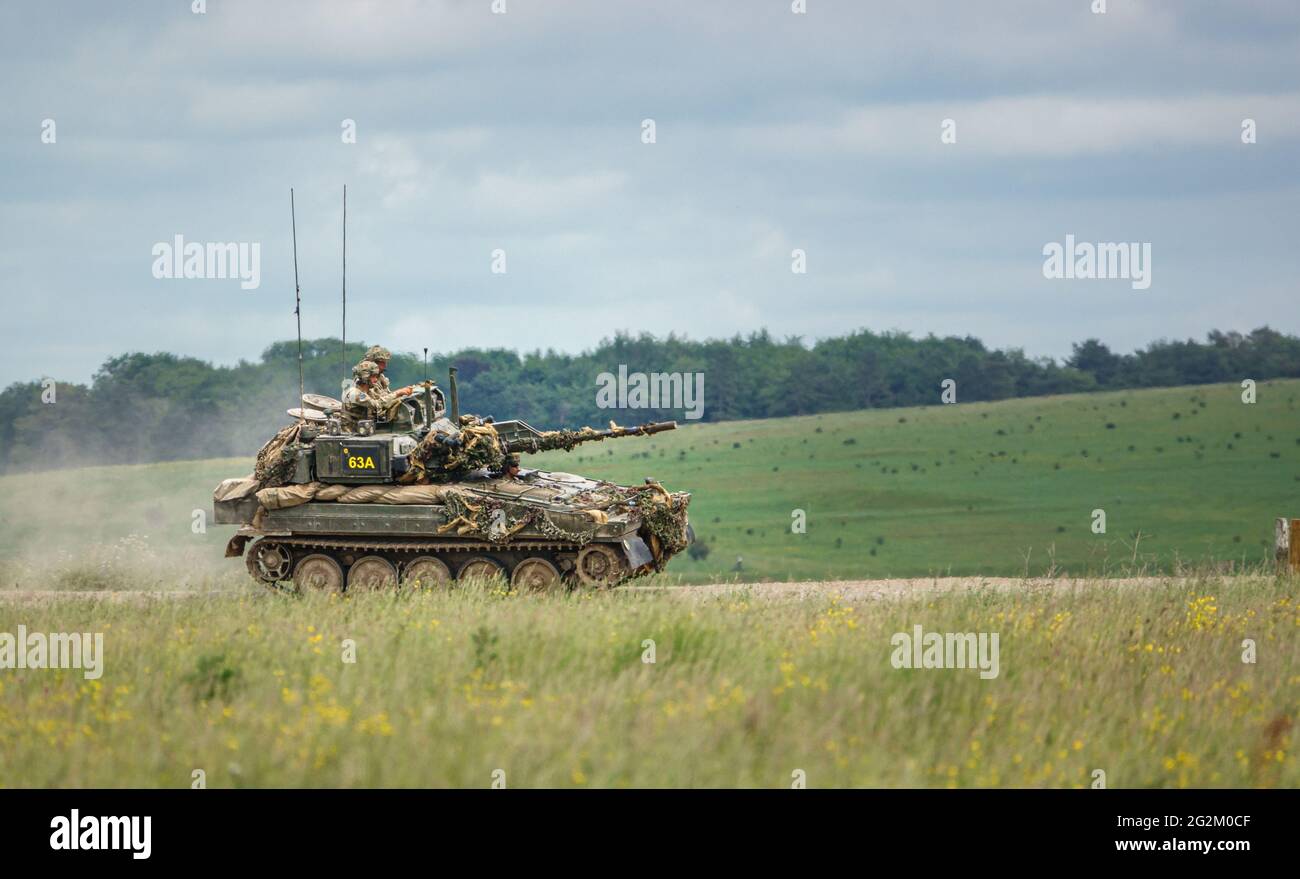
x: 276, y: 460
x: 479, y: 447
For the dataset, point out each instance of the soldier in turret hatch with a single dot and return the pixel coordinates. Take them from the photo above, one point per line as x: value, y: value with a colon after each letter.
x: 367, y: 399
x: 379, y: 355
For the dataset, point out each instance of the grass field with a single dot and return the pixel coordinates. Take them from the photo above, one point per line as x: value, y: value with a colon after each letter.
x: 1184, y: 476
x: 751, y: 685
x: 1146, y: 684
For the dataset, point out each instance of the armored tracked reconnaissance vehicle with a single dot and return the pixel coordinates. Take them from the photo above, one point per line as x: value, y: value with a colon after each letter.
x: 433, y: 496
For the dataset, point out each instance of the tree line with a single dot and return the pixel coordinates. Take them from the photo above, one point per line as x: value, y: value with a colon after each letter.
x: 159, y: 407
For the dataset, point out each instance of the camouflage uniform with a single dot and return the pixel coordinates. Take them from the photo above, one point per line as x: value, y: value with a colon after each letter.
x: 376, y: 353
x: 373, y: 403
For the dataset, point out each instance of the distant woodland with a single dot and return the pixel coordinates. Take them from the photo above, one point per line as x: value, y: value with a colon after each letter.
x: 156, y: 407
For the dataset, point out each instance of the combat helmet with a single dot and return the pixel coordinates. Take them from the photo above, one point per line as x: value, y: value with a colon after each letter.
x: 365, y: 369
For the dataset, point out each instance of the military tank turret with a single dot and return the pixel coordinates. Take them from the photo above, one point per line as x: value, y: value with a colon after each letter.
x: 434, y: 496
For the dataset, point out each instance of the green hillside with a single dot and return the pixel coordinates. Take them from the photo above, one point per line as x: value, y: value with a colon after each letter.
x: 974, y: 489
x: 986, y: 488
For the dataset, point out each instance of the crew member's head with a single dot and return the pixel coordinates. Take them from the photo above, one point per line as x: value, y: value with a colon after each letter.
x: 379, y: 355
x: 365, y: 372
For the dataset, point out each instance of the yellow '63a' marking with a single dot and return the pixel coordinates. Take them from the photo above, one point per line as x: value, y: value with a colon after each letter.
x: 360, y: 462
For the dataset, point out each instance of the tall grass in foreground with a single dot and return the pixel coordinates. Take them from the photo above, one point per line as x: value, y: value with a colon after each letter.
x: 1144, y: 683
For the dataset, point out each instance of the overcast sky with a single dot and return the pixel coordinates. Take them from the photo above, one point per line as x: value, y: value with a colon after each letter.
x: 523, y: 131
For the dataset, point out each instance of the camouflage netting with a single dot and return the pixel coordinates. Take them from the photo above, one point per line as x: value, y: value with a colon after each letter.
x: 557, y: 439
x: 487, y: 517
x: 480, y: 447
x: 659, y: 515
x: 499, y: 520
x: 664, y: 516
x: 277, y: 459
x: 568, y: 440
x: 468, y: 515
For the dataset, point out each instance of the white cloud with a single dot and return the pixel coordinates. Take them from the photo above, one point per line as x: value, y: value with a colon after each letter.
x: 534, y: 195
x: 1056, y: 126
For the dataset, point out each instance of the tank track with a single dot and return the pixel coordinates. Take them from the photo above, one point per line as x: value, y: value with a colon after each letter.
x: 431, y: 546
x: 526, y: 565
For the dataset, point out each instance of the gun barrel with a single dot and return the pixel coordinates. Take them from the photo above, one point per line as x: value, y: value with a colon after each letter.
x: 659, y: 426
x: 567, y: 439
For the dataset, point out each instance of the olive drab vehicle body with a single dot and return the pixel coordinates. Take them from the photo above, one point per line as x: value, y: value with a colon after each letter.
x: 432, y: 497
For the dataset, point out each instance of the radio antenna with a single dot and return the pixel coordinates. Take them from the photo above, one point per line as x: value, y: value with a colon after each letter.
x: 428, y: 391
x: 297, y: 300
x: 345, y: 283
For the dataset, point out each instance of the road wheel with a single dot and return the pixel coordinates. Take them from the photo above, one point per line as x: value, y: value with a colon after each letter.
x: 599, y: 566
x: 318, y: 573
x: 371, y: 573
x: 480, y: 568
x: 426, y: 572
x: 268, y: 562
x: 535, y: 575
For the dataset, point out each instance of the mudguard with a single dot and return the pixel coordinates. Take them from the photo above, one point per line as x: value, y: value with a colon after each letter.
x: 638, y: 553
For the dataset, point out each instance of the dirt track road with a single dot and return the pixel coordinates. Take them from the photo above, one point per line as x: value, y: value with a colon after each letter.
x: 898, y: 588
x: 852, y: 589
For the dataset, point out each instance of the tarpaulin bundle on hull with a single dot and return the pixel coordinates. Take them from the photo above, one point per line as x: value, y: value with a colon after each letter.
x: 292, y: 495
x: 235, y: 489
